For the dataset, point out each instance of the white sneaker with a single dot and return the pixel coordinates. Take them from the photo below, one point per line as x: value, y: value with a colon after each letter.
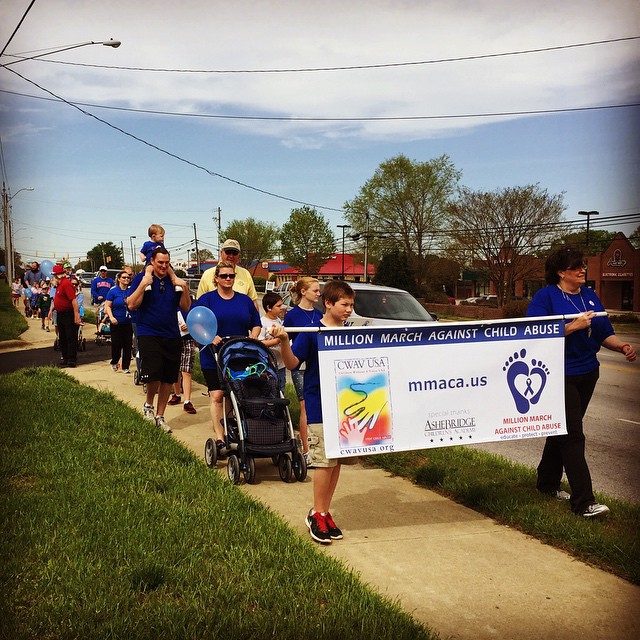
x: 126, y: 371
x: 114, y: 367
x: 595, y: 510
x: 148, y: 412
x: 163, y: 424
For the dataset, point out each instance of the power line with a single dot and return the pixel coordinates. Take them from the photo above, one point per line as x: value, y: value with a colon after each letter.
x: 496, y: 114
x: 385, y: 65
x: 170, y: 154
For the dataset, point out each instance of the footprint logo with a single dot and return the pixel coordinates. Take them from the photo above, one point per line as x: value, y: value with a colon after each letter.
x: 526, y: 383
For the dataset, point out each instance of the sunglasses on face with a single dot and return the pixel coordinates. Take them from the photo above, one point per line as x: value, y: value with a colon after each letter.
x: 232, y: 252
x: 227, y: 276
x: 578, y: 267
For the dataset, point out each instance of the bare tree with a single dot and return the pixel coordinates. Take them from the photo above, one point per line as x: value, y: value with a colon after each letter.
x: 497, y: 233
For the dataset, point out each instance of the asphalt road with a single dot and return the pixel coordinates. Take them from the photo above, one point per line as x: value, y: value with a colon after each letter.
x: 47, y: 357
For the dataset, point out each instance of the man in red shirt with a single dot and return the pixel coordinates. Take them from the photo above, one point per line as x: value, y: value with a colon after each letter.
x: 68, y: 313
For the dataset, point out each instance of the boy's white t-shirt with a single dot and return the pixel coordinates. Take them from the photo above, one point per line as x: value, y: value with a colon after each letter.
x: 267, y: 323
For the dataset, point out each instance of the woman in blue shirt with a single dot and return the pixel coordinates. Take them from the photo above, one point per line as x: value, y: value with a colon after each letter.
x: 565, y: 273
x: 236, y: 315
x: 121, y: 328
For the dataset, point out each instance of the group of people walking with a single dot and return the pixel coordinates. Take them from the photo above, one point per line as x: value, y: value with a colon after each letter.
x: 157, y: 302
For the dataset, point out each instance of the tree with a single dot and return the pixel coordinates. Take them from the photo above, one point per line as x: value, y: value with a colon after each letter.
x: 404, y: 206
x: 634, y: 238
x: 497, y: 233
x: 394, y: 270
x: 257, y: 239
x: 599, y: 240
x: 203, y: 254
x: 306, y: 240
x: 105, y: 253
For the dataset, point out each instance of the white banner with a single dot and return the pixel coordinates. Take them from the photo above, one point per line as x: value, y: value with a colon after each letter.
x: 396, y: 389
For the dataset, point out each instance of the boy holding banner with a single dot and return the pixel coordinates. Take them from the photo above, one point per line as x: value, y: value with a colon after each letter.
x: 338, y: 298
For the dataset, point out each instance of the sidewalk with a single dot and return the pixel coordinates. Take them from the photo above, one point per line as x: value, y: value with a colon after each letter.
x: 451, y: 568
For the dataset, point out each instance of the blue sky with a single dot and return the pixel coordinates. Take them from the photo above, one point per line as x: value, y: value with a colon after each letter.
x: 93, y: 183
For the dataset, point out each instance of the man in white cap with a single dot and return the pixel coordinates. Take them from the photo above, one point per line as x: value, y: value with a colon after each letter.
x: 230, y: 252
x: 100, y: 286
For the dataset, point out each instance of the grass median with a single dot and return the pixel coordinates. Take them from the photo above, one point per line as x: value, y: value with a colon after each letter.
x: 111, y: 529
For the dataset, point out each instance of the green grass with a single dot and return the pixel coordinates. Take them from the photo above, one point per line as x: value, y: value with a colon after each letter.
x: 12, y: 321
x: 506, y: 492
x: 111, y: 529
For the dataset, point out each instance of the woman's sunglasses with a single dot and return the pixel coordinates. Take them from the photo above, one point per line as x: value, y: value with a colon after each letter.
x: 227, y: 276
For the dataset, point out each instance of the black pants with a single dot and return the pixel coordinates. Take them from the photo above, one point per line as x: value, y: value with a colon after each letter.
x: 67, y: 336
x: 567, y: 451
x: 121, y: 340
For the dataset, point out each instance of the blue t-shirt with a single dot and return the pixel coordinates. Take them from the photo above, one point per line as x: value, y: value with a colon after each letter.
x: 156, y: 315
x: 236, y: 317
x: 580, y: 348
x: 118, y: 306
x: 148, y: 248
x: 305, y: 348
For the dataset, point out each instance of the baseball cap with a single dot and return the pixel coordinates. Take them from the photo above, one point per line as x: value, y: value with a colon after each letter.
x: 102, y: 268
x: 231, y: 244
x: 57, y: 269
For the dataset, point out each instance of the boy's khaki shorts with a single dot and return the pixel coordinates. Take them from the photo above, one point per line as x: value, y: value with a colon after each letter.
x: 317, y: 449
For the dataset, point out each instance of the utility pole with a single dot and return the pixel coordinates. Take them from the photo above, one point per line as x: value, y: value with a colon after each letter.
x: 218, y: 222
x: 366, y: 248
x: 195, y: 235
x: 8, y: 249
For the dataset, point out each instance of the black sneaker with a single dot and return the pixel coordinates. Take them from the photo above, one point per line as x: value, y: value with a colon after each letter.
x: 318, y: 528
x: 334, y: 531
x: 222, y: 450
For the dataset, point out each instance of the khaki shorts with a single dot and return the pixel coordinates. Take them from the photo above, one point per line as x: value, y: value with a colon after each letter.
x: 317, y: 449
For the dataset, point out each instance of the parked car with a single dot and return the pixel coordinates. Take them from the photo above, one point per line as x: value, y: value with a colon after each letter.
x: 377, y: 305
x: 284, y: 287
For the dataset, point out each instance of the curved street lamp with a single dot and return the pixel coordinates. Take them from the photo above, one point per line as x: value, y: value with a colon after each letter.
x: 107, y: 43
x: 8, y: 234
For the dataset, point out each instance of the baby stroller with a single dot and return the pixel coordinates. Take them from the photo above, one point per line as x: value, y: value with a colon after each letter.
x: 103, y: 324
x: 256, y: 418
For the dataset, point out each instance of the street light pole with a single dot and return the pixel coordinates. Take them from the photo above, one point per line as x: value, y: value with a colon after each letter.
x: 343, y: 227
x: 107, y: 43
x: 133, y: 257
x: 588, y: 214
x: 8, y: 233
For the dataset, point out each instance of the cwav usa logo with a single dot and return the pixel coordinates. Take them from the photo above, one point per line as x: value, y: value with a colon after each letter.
x: 526, y: 379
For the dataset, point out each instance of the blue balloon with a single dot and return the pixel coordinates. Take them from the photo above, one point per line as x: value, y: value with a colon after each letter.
x: 46, y: 266
x: 202, y: 325
x: 2, y: 268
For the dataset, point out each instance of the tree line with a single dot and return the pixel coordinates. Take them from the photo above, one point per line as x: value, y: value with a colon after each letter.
x: 421, y: 227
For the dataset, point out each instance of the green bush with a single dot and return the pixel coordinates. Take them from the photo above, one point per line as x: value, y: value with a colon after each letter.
x: 515, y: 309
x: 259, y: 282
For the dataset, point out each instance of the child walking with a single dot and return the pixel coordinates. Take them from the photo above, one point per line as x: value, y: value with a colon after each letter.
x: 272, y: 305
x: 338, y: 298
x: 156, y: 241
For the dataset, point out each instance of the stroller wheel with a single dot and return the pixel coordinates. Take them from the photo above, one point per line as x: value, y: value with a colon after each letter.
x: 299, y: 466
x: 83, y: 345
x: 250, y: 470
x: 136, y: 377
x: 210, y: 453
x: 233, y: 468
x: 56, y: 344
x: 284, y: 467
x: 275, y: 460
